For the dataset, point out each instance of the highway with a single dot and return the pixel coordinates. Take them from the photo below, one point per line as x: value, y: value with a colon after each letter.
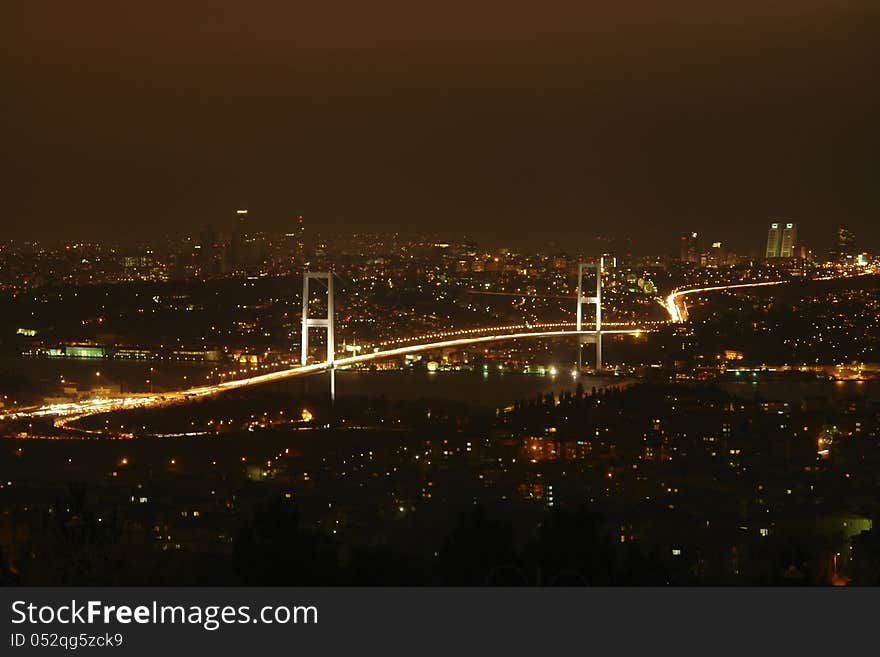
x: 675, y: 302
x: 515, y: 328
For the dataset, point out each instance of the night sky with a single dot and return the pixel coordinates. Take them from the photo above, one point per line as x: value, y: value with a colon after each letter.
x: 516, y: 123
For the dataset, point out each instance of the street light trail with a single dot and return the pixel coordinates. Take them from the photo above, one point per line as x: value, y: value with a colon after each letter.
x: 678, y: 314
x: 514, y: 328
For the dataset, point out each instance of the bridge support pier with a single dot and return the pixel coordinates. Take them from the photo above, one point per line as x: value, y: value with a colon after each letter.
x: 319, y: 322
x: 596, y: 338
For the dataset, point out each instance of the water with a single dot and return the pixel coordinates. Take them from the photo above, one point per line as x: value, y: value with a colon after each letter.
x: 796, y: 391
x: 475, y: 388
x: 492, y: 389
x: 129, y: 376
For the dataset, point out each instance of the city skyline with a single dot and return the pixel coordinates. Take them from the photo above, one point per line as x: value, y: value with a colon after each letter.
x: 296, y: 230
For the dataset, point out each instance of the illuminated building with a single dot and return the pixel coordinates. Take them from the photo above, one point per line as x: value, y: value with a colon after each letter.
x: 782, y: 241
x: 773, y: 241
x: 210, y: 252
x: 295, y: 242
x: 690, y: 247
x: 789, y: 241
x: 845, y: 248
x: 238, y: 247
x: 247, y: 250
x: 716, y: 257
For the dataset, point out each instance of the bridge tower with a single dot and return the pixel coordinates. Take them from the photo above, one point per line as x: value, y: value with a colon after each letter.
x: 319, y: 322
x: 596, y: 337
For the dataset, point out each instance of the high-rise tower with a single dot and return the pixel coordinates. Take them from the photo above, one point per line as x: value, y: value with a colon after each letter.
x: 782, y: 241
x: 773, y: 241
x: 690, y: 247
x: 789, y: 242
x: 845, y: 249
x: 299, y: 241
x: 239, y: 244
x: 293, y: 246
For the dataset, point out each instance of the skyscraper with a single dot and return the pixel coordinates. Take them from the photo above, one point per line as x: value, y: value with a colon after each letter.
x: 248, y: 248
x: 690, y: 247
x: 210, y: 252
x: 238, y: 245
x: 773, y: 241
x: 846, y: 245
x: 716, y: 256
x: 293, y: 245
x: 789, y: 241
x: 299, y: 241
x: 782, y: 241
